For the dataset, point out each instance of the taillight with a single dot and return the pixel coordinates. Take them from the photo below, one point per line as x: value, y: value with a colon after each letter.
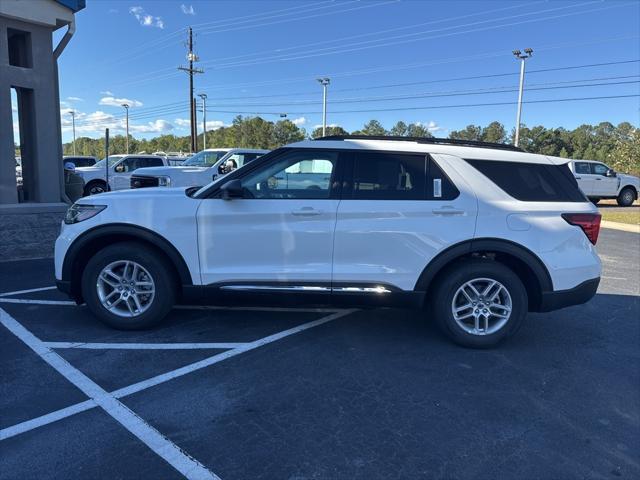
x: 588, y: 222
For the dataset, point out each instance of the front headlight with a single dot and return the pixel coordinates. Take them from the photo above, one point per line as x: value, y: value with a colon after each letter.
x: 164, y: 181
x: 79, y: 213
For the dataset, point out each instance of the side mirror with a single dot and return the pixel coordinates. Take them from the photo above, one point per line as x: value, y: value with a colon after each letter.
x: 611, y: 173
x: 232, y: 189
x: 119, y: 168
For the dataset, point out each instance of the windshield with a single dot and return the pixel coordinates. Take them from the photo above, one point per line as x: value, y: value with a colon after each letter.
x: 205, y: 159
x: 112, y: 160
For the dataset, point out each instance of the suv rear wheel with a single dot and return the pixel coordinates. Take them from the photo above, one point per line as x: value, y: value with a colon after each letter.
x: 95, y: 187
x: 480, y: 303
x: 128, y: 286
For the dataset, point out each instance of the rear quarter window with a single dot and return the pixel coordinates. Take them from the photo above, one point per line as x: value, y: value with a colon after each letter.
x: 532, y: 182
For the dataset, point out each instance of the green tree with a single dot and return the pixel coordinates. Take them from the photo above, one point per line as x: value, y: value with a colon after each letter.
x: 418, y: 130
x: 494, y: 133
x: 285, y: 131
x: 331, y: 130
x: 373, y: 127
x: 471, y: 132
x: 399, y: 129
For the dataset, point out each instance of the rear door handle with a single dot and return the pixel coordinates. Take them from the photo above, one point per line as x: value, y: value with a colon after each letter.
x: 447, y: 211
x: 306, y: 212
x: 598, y: 179
x: 578, y: 178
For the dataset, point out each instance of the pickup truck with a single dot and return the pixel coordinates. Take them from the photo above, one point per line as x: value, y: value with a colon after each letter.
x: 198, y: 170
x: 597, y: 181
x: 120, y: 169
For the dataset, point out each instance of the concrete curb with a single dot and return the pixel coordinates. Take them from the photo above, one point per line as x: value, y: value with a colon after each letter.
x: 625, y: 227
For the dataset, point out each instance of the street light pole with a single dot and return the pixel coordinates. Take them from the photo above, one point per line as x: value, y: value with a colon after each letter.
x: 126, y: 108
x: 203, y: 96
x: 324, y: 82
x: 73, y: 123
x: 522, y: 57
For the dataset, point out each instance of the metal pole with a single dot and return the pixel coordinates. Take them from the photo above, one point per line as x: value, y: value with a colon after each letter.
x: 203, y: 96
x: 324, y: 110
x: 106, y: 151
x: 195, y: 125
x: 520, y: 92
x: 522, y: 57
x: 324, y: 82
x: 126, y: 107
x: 73, y: 122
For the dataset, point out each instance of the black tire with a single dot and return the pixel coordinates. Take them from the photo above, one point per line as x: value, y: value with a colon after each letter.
x: 464, y: 271
x: 159, y: 270
x: 627, y: 197
x: 594, y: 200
x: 94, y: 188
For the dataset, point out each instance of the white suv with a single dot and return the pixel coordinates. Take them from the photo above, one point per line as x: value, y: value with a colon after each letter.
x: 598, y: 181
x: 477, y: 235
x: 201, y: 169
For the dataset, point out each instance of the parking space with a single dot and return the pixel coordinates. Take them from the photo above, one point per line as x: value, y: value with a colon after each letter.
x: 319, y: 393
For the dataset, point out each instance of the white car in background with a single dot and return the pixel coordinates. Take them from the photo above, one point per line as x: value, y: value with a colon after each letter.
x: 200, y: 169
x: 120, y: 169
x: 599, y: 181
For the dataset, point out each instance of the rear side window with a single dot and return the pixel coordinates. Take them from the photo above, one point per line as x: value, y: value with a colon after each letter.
x: 582, y: 168
x: 532, y: 182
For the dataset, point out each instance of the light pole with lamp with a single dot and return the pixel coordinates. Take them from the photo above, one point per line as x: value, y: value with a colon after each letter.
x: 522, y: 56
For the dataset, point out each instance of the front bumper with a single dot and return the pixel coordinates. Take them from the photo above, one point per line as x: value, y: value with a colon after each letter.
x: 565, y: 298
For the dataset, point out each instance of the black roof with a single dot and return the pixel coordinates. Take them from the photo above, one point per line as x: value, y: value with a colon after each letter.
x: 428, y: 140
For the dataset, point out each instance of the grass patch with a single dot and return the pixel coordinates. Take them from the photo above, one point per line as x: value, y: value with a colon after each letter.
x: 621, y: 217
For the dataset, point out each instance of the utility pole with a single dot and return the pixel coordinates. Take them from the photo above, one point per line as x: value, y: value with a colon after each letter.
x: 192, y: 57
x: 73, y: 122
x: 126, y: 107
x: 324, y: 82
x: 203, y: 96
x: 522, y: 57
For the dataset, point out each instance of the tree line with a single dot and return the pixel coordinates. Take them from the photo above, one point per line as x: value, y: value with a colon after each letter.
x: 617, y: 145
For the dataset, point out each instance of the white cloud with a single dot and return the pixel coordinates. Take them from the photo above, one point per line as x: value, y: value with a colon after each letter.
x: 75, y: 99
x: 117, y: 102
x: 431, y: 126
x: 187, y: 10
x: 109, y: 93
x: 299, y: 121
x: 212, y: 125
x: 157, y: 126
x: 182, y: 122
x: 328, y: 125
x: 145, y: 19
x: 94, y: 123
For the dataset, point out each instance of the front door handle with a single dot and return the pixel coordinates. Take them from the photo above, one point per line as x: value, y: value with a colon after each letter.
x: 578, y: 178
x: 306, y: 212
x: 598, y: 179
x: 447, y: 211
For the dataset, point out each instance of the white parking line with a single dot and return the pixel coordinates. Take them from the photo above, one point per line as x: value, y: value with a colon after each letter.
x: 160, y: 445
x: 31, y: 290
x: 37, y: 302
x: 157, y: 380
x: 143, y: 346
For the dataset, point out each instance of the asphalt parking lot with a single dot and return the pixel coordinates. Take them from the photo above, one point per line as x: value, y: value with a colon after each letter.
x: 312, y: 394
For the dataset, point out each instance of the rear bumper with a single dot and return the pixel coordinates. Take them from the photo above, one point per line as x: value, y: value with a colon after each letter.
x: 565, y: 298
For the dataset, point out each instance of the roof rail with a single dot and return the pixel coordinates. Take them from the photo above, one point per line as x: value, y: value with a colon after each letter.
x: 429, y: 140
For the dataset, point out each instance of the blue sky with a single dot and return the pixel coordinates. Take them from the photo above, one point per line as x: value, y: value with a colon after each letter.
x: 264, y: 57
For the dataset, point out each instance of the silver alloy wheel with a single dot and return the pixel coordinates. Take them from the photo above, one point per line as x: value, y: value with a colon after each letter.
x: 481, y: 306
x: 125, y: 288
x: 628, y: 197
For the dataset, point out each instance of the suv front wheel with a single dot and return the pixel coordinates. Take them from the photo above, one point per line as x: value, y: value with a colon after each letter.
x: 479, y: 303
x: 128, y: 287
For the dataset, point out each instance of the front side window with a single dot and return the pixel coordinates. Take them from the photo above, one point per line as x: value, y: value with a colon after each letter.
x: 389, y: 176
x: 149, y: 162
x: 205, y: 159
x: 582, y: 168
x: 599, y: 169
x: 298, y: 175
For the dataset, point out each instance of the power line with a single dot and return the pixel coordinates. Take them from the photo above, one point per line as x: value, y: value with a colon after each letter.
x: 380, y: 43
x: 175, y: 108
x: 434, y: 107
